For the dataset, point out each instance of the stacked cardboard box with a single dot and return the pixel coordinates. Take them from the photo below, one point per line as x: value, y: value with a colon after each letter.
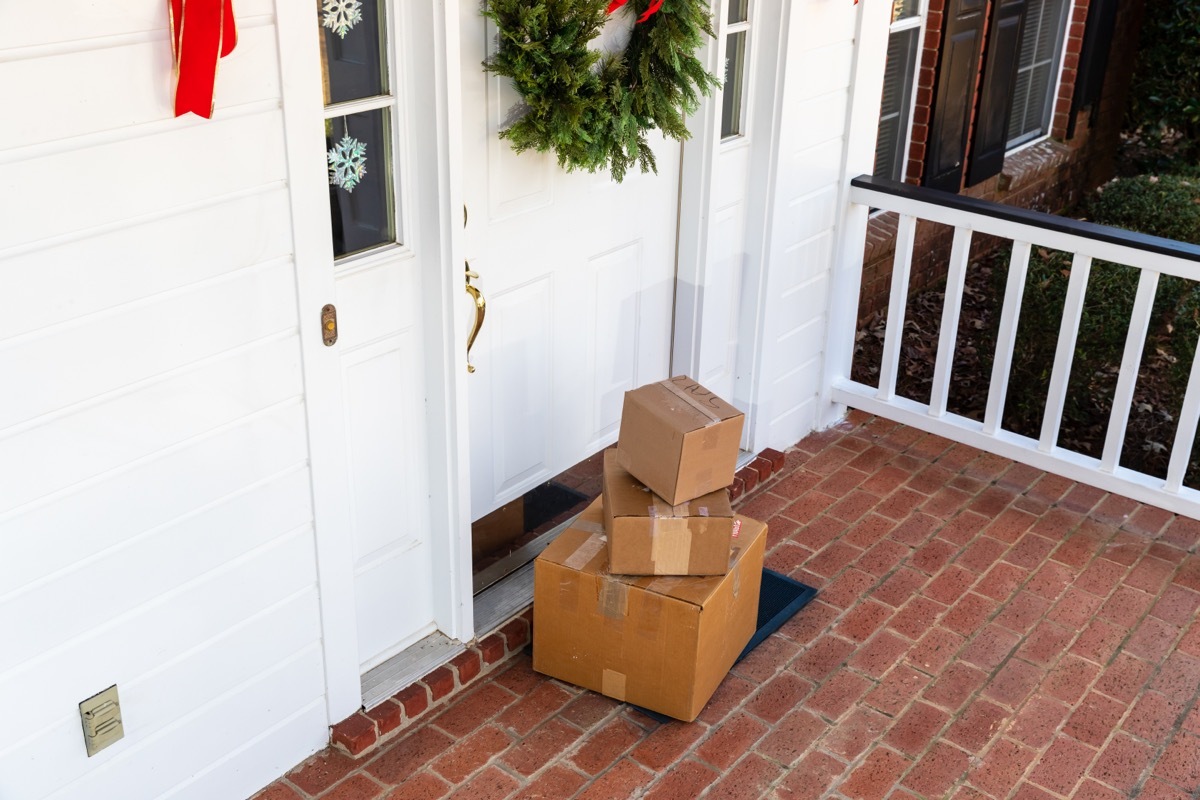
x: 652, y: 593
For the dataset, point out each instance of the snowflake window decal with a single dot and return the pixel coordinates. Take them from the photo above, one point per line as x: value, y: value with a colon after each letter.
x: 341, y: 15
x: 347, y: 163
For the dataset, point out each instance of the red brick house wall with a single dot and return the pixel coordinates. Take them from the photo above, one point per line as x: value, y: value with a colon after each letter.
x: 1050, y: 176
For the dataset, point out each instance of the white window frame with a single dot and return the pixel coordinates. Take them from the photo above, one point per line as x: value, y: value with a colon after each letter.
x: 727, y: 30
x: 392, y: 100
x: 908, y: 23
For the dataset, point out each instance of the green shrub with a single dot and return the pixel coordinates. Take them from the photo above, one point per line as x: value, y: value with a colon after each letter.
x: 1166, y: 78
x: 1160, y: 205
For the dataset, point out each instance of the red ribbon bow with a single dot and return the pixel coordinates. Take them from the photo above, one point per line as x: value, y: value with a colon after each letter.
x: 202, y: 31
x: 655, y: 5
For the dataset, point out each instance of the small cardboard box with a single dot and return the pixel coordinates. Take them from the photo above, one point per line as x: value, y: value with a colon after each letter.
x: 679, y: 439
x: 649, y: 536
x: 661, y: 643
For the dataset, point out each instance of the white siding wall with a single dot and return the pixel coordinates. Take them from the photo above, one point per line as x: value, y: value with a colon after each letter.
x: 155, y: 504
x: 821, y: 101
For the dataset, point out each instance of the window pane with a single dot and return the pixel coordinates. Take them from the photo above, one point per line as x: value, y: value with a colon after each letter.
x: 738, y: 10
x: 1037, y: 69
x: 358, y: 148
x: 731, y: 93
x: 352, y: 49
x: 904, y: 9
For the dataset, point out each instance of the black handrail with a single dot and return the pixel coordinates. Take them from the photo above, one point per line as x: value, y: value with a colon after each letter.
x: 1025, y: 216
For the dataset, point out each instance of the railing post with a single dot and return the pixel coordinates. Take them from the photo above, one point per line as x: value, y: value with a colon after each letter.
x: 1006, y: 337
x: 843, y: 306
x: 1135, y: 339
x: 1064, y: 355
x: 956, y: 279
x: 906, y: 231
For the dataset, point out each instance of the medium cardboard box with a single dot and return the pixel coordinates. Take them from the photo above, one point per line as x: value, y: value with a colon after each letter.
x: 679, y: 439
x: 661, y: 643
x: 649, y: 536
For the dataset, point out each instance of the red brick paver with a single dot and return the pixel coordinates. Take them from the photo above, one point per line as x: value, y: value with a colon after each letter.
x: 985, y: 630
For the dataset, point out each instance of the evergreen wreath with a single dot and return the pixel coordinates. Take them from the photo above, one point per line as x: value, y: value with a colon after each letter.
x: 591, y: 108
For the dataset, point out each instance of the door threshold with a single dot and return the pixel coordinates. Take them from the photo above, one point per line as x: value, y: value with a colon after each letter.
x: 504, y: 599
x: 407, y: 667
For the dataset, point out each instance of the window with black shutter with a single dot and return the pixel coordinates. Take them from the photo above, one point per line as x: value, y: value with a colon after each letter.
x: 895, y: 109
x: 954, y: 98
x: 1093, y: 58
x: 1037, y: 70
x: 1000, y: 66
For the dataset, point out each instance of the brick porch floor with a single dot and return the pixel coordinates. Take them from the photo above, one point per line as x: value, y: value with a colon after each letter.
x: 984, y: 630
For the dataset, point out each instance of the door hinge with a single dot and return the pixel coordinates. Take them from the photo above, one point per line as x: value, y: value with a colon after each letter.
x: 329, y: 325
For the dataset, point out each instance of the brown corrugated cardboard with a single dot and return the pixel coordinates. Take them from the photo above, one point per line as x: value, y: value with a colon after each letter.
x: 649, y: 536
x: 679, y: 439
x: 663, y: 643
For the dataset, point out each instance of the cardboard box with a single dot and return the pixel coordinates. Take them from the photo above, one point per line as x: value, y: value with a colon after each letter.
x: 661, y: 643
x: 679, y: 439
x: 649, y: 536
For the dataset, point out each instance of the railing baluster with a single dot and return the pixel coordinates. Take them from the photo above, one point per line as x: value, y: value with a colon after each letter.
x: 1014, y: 291
x: 1185, y: 434
x: 1135, y: 340
x: 906, y: 230
x: 1068, y: 331
x: 956, y: 278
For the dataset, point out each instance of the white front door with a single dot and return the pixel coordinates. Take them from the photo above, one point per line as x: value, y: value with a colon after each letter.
x: 579, y: 277
x: 377, y: 396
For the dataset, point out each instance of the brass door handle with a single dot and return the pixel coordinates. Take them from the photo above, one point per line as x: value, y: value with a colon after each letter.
x: 480, y: 310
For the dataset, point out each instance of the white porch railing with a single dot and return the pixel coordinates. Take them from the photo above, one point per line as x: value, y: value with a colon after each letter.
x: 1153, y: 256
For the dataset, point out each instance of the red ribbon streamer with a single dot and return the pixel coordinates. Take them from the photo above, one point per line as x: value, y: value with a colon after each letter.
x: 649, y: 12
x: 202, y: 31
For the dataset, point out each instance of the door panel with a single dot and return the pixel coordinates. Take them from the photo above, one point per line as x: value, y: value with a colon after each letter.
x: 578, y: 272
x: 388, y: 480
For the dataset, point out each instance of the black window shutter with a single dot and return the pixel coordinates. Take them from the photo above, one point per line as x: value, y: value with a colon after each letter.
x: 1093, y: 59
x: 961, y: 42
x: 995, y: 98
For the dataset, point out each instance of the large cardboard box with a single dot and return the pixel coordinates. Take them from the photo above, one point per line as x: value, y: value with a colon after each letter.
x: 661, y: 643
x: 649, y: 536
x: 679, y: 439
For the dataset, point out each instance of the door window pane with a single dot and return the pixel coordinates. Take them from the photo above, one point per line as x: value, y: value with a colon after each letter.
x: 358, y: 153
x: 904, y: 9
x: 738, y: 11
x: 731, y: 93
x: 353, y: 49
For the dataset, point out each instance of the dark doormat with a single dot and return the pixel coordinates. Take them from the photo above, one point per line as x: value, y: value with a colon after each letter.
x: 548, y: 501
x: 778, y: 601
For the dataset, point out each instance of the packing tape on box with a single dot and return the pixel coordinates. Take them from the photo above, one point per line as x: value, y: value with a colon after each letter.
x: 656, y: 511
x: 713, y: 418
x: 587, y: 526
x: 612, y: 684
x: 670, y: 545
x: 662, y: 585
x: 585, y: 552
x: 613, y: 600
